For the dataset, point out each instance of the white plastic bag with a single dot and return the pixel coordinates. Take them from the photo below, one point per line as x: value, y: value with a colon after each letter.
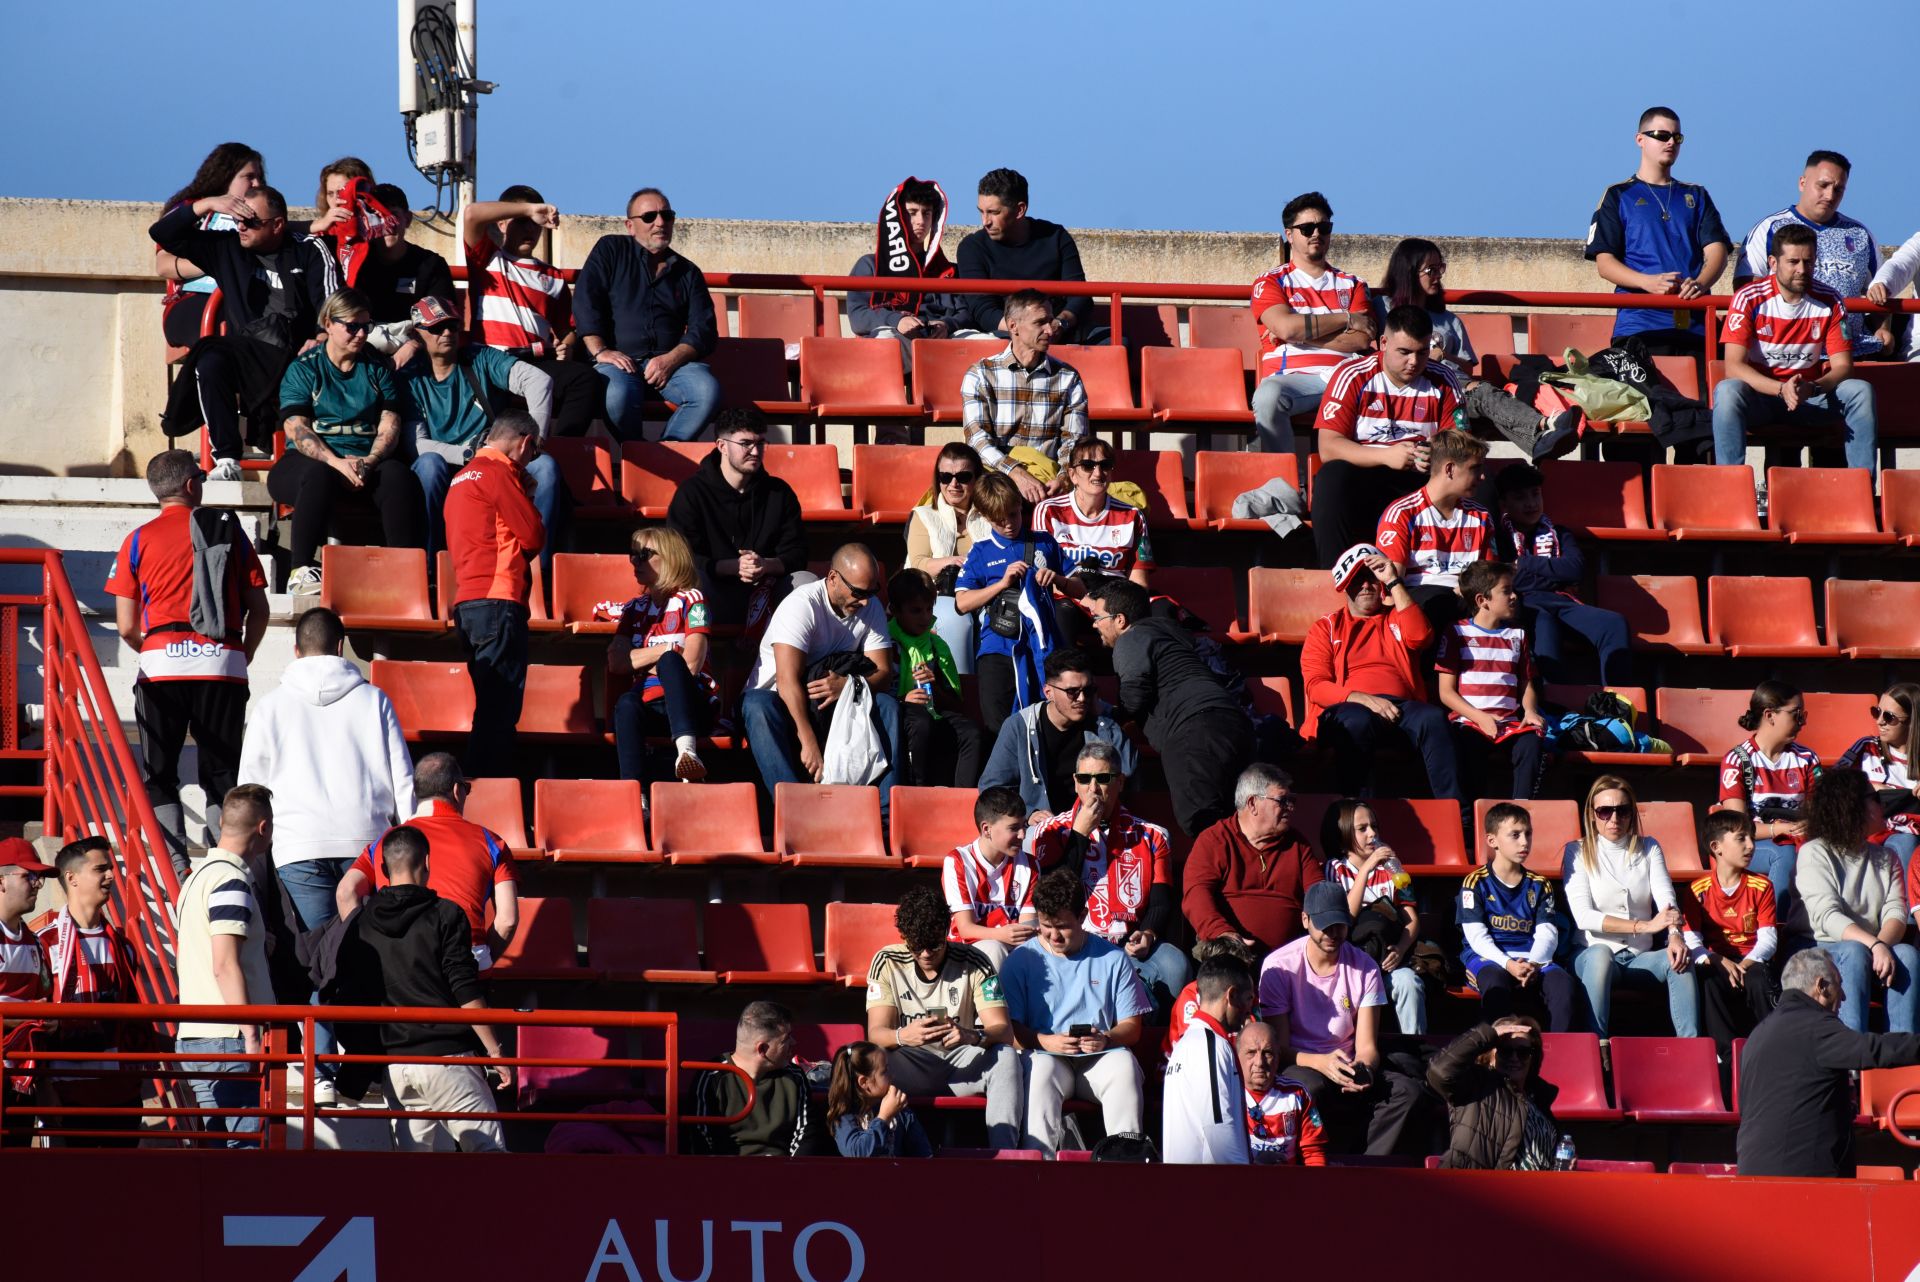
x: 853, y: 753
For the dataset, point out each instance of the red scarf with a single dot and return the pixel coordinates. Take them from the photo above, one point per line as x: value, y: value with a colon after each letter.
x: 76, y: 983
x: 898, y: 254
x: 369, y: 220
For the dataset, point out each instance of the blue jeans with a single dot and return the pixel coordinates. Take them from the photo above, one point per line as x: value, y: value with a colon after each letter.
x: 1737, y: 408
x: 1903, y: 844
x: 1554, y: 617
x: 1600, y: 968
x: 1165, y: 972
x: 1276, y: 399
x: 776, y: 743
x: 1774, y: 860
x: 693, y: 388
x: 1856, y: 977
x: 234, y: 1092
x: 495, y: 636
x: 957, y: 630
x: 682, y: 705
x: 436, y: 473
x: 1409, y: 1000
x: 310, y: 885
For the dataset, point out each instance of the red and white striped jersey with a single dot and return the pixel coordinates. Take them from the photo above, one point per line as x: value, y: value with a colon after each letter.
x: 1493, y: 664
x: 518, y: 303
x: 1388, y: 882
x: 1335, y: 291
x: 1110, y: 541
x: 22, y: 966
x: 1785, y: 338
x: 648, y: 623
x: 996, y: 895
x: 1362, y: 402
x: 1434, y: 547
x: 1783, y: 781
x: 1284, y: 1127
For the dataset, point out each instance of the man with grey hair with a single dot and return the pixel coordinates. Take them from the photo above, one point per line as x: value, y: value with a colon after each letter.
x: 782, y: 1123
x: 1796, y: 1089
x: 1247, y: 876
x: 1126, y: 866
x: 194, y: 645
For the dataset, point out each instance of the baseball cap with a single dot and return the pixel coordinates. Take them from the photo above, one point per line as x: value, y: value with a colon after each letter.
x: 1351, y: 562
x: 17, y: 852
x: 1326, y: 905
x: 432, y: 311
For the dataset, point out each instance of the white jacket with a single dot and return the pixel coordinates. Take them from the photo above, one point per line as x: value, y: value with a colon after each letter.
x: 329, y: 745
x: 1632, y: 885
x: 1204, y: 1111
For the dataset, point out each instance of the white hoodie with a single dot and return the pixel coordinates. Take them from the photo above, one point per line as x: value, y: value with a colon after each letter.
x: 329, y: 746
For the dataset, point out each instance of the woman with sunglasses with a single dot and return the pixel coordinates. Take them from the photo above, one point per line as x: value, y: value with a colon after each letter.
x: 342, y: 417
x: 1768, y: 775
x: 940, y: 533
x: 1386, y: 924
x: 1500, y: 1114
x: 1097, y: 534
x: 1852, y: 899
x: 1886, y: 757
x: 662, y: 642
x: 1621, y: 899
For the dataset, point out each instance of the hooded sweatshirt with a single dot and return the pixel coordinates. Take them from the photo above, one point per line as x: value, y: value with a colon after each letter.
x: 329, y: 745
x: 719, y: 521
x: 406, y: 946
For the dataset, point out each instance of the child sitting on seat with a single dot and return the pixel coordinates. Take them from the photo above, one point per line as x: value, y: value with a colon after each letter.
x: 868, y: 1113
x: 943, y: 746
x: 1486, y: 680
x: 1547, y: 569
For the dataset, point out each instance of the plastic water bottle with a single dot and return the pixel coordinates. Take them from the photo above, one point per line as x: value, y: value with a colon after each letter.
x: 1563, y: 1157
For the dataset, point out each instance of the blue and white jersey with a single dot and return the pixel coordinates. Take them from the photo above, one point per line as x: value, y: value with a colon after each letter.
x: 1844, y: 260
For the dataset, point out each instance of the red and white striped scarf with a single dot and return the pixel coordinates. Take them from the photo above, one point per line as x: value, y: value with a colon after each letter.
x: 72, y: 981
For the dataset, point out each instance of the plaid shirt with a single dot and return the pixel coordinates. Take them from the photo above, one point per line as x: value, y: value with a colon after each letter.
x: 1007, y: 407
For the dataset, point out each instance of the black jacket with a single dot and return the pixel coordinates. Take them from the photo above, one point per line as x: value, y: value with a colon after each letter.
x: 718, y: 521
x: 1164, y: 682
x: 1796, y: 1099
x: 274, y: 297
x: 406, y: 946
x: 619, y: 300
x: 1049, y: 254
x: 393, y: 288
x: 1487, y: 1119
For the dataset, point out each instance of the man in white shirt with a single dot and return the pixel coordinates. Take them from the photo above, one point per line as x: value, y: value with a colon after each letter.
x: 1204, y: 1114
x: 791, y: 692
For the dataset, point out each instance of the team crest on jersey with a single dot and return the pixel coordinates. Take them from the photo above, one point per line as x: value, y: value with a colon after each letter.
x: 1730, y: 777
x: 697, y: 615
x: 1331, y: 412
x: 873, y: 992
x: 990, y: 988
x: 1689, y: 199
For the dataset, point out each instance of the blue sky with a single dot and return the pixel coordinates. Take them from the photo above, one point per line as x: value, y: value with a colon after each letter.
x: 1507, y: 120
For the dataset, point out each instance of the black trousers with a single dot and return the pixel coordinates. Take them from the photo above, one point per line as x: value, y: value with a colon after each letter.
x: 215, y: 713
x: 578, y: 394
x: 495, y: 636
x: 313, y: 490
x: 1203, y: 757
x: 1726, y: 1012
x: 232, y: 375
x: 1553, y: 993
x: 994, y: 678
x: 1374, y: 1120
x: 1348, y: 501
x: 941, y: 753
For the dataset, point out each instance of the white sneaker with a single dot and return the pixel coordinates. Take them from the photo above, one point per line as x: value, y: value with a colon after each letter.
x: 689, y: 768
x: 304, y: 581
x: 325, y: 1094
x: 226, y: 469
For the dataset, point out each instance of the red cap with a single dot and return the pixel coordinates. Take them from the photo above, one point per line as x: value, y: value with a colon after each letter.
x: 432, y: 311
x: 17, y: 852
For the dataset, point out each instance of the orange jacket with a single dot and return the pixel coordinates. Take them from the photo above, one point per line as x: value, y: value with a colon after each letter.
x: 493, y: 530
x: 1327, y: 654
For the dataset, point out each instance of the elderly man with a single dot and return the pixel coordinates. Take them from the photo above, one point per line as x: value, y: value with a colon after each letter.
x: 934, y: 1005
x: 1038, y: 745
x: 1124, y: 865
x: 782, y: 1122
x: 1796, y: 1076
x: 647, y: 320
x: 1282, y: 1123
x: 1078, y: 1006
x: 1204, y: 1117
x: 1024, y: 399
x: 1248, y: 875
x: 816, y: 637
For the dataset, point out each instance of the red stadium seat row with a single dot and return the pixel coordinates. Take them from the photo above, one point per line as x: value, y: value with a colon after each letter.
x: 1555, y: 823
x: 1764, y: 617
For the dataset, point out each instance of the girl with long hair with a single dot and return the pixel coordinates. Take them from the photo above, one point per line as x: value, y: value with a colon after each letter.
x: 867, y: 1113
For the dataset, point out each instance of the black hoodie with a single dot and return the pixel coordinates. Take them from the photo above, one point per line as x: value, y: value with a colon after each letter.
x: 719, y: 522
x: 406, y: 946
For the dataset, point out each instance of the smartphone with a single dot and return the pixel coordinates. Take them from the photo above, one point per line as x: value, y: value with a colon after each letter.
x: 1082, y: 1030
x: 938, y: 1014
x: 1362, y: 1075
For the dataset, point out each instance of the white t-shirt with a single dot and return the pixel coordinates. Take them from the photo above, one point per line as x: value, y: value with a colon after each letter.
x: 806, y: 621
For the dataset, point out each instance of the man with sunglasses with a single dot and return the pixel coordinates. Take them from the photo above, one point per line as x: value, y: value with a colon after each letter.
x: 742, y: 525
x: 794, y: 687
x: 271, y: 288
x: 647, y: 320
x: 1312, y: 316
x: 1038, y: 745
x: 446, y: 403
x: 1655, y: 235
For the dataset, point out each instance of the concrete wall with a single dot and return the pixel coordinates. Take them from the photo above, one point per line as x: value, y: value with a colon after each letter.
x: 83, y: 377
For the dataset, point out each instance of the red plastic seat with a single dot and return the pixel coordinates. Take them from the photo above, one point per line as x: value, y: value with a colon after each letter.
x: 1574, y: 699
x: 1551, y: 333
x: 761, y: 944
x: 432, y: 700
x: 1662, y: 611
x: 1900, y: 505
x: 708, y: 823
x: 829, y: 826
x: 1555, y: 823
x: 753, y: 372
x: 1689, y: 1168
x: 1207, y: 591
x: 1424, y: 833
x: 542, y: 946
x: 651, y: 471
x: 1872, y: 619
x: 1162, y: 476
x: 585, y: 581
x: 1272, y: 696
x: 1104, y: 374
x: 991, y: 1154
x: 1878, y: 1086
x: 1220, y: 476
x: 1835, y: 722
x: 1226, y: 327
x: 1491, y: 334
x: 890, y: 480
x: 591, y: 821
x: 587, y: 1080
x: 1894, y: 1174
x: 1824, y: 505
x: 1605, y: 501
x: 791, y: 318
x: 814, y: 473
x: 652, y: 941
x: 926, y: 823
x: 379, y: 588
x: 1682, y: 373
x: 855, y: 932
x: 1571, y: 1062
x: 854, y: 378
x: 1284, y: 604
x: 558, y: 704
x: 1143, y: 324
x: 495, y: 805
x: 939, y: 366
x: 443, y: 592
x: 1764, y: 618
x: 1672, y: 824
x: 1668, y: 1079
x: 1613, y: 1164
x: 1701, y: 724
x: 1204, y: 385
x: 1698, y: 501
x: 591, y: 468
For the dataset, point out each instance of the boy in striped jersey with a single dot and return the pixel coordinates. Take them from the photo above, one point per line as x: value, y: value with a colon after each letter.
x: 1437, y: 531
x: 1486, y: 677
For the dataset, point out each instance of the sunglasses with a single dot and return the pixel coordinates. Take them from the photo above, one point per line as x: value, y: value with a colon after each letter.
x: 858, y: 594
x: 1663, y: 135
x: 1103, y: 777
x: 955, y: 478
x: 1307, y: 231
x: 444, y: 327
x: 655, y: 215
x: 1886, y: 718
x: 1094, y: 465
x: 1072, y: 693
x: 1611, y: 812
x: 355, y: 327
x: 249, y: 223
x: 639, y: 555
